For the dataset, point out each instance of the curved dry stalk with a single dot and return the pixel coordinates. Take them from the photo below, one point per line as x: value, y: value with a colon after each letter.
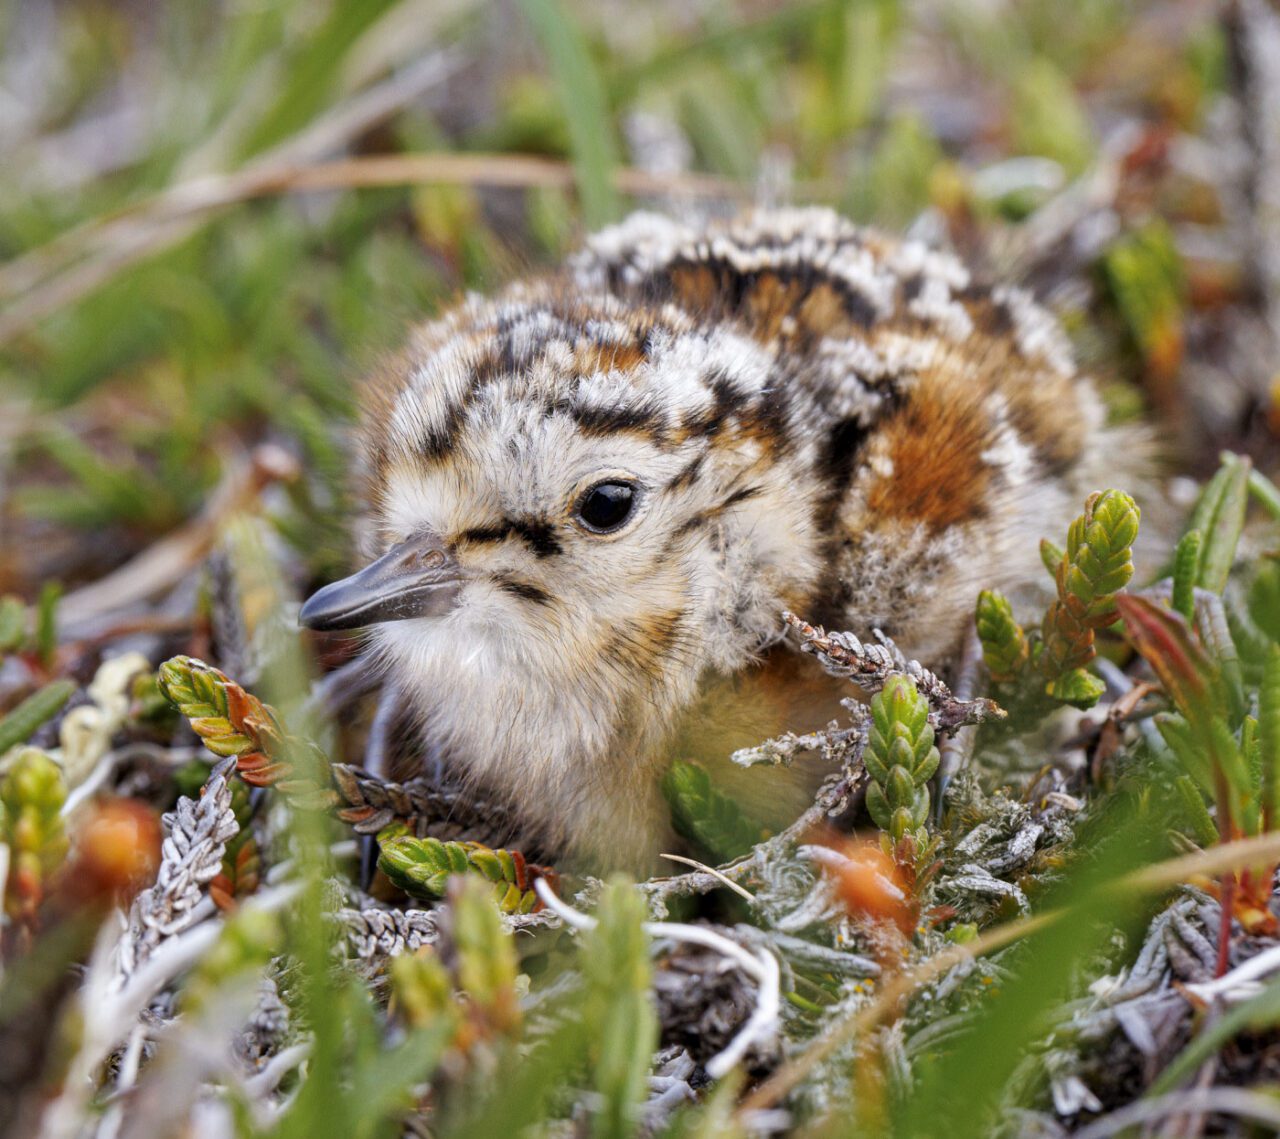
x: 1255, y: 1106
x: 723, y: 879
x: 57, y: 277
x: 162, y: 565
x: 762, y: 968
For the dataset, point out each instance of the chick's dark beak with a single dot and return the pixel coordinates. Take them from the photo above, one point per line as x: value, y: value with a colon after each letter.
x: 416, y: 578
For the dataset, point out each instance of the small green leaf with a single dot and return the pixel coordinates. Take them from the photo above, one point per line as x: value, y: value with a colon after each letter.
x: 422, y: 867
x: 20, y: 724
x: 1203, y: 829
x: 1264, y: 600
x: 1251, y: 753
x: 1265, y: 492
x: 878, y: 807
x: 1269, y: 738
x: 47, y: 623
x: 1051, y: 555
x: 1077, y: 687
x: 13, y: 624
x: 1004, y: 644
x: 1219, y: 516
x: 1186, y: 563
x: 1176, y: 732
x: 706, y: 816
x: 1215, y: 634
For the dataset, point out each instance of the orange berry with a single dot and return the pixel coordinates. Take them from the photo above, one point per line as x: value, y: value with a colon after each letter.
x: 118, y: 848
x: 869, y: 883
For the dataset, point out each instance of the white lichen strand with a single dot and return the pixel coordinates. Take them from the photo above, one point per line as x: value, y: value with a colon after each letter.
x: 197, y: 833
x: 373, y: 933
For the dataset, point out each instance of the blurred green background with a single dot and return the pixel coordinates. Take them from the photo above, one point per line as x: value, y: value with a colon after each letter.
x: 172, y: 295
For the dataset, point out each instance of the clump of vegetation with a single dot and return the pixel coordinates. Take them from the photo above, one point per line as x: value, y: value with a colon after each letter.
x: 900, y: 759
x: 1096, y: 564
x: 31, y: 798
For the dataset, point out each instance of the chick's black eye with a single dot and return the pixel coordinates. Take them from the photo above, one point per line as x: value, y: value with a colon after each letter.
x: 607, y: 505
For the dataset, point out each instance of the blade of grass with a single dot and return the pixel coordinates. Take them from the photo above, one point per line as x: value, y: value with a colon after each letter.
x: 20, y: 724
x: 1219, y: 516
x: 585, y: 105
x: 1266, y: 492
x: 313, y: 73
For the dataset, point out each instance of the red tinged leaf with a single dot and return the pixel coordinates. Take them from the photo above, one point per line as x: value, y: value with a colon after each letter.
x: 1168, y: 645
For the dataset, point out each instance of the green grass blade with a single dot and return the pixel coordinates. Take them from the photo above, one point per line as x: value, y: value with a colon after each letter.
x: 586, y: 108
x: 312, y: 74
x: 1219, y: 516
x: 1269, y: 735
x: 622, y: 1026
x: 18, y: 726
x: 1186, y: 561
x: 1266, y: 492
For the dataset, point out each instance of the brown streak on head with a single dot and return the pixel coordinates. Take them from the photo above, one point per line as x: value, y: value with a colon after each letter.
x: 935, y: 443
x: 768, y: 301
x: 642, y: 644
x: 1045, y: 411
x: 694, y: 287
x: 522, y: 589
x: 1043, y: 405
x: 779, y: 305
x: 822, y: 312
x: 590, y: 358
x: 486, y: 535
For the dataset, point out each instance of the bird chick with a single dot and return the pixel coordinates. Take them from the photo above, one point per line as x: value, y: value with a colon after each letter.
x: 595, y: 494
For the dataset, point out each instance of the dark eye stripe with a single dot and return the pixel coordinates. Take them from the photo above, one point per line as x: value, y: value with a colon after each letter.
x: 539, y: 534
x: 524, y: 589
x: 487, y: 534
